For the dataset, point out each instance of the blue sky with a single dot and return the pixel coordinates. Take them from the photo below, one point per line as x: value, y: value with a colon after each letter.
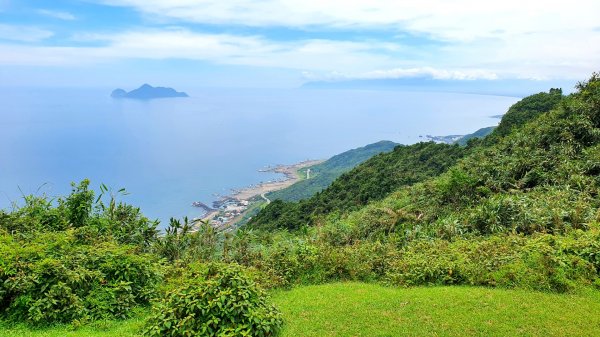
x: 285, y: 43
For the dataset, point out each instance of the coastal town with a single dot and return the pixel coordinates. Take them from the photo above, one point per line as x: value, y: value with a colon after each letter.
x: 229, y: 210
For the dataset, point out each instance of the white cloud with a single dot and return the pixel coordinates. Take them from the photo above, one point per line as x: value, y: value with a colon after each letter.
x: 452, y: 20
x: 61, y: 15
x: 552, y: 56
x: 23, y: 33
x: 468, y: 74
x: 396, y: 73
x: 320, y: 55
x: 510, y: 38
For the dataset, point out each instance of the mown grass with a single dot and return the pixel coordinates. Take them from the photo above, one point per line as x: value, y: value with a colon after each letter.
x: 130, y: 327
x: 356, y: 309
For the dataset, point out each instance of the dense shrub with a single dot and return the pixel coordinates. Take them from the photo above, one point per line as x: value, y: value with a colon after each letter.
x: 186, y: 241
x: 542, y: 262
x: 217, y: 300
x: 526, y: 110
x: 562, y: 260
x: 55, y: 278
x: 95, y: 218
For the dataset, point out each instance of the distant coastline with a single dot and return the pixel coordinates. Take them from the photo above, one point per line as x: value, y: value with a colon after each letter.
x: 229, y: 209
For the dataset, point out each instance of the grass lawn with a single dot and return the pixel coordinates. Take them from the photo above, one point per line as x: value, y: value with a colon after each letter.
x: 358, y: 309
x: 130, y: 327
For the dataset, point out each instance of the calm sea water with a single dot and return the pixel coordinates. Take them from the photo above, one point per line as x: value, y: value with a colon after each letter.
x: 170, y: 152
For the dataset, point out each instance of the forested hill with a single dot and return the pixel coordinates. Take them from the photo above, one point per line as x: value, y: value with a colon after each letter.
x: 543, y: 176
x: 383, y: 174
x: 481, y: 133
x: 526, y: 110
x: 520, y: 113
x: 372, y: 180
x: 322, y: 175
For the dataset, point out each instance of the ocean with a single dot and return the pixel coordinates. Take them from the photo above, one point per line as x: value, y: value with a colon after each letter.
x: 168, y: 153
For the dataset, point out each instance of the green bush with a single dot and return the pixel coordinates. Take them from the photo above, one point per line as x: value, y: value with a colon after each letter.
x: 218, y: 300
x: 54, y: 278
x: 542, y: 262
x: 94, y: 220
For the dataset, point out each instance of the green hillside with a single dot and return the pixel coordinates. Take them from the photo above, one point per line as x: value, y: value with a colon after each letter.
x: 322, y: 175
x: 520, y: 113
x: 381, y: 175
x: 372, y: 180
x: 481, y: 133
x: 526, y: 110
x: 541, y: 177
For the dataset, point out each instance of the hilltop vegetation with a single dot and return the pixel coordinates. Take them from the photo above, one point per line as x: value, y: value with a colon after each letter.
x: 383, y: 174
x: 520, y: 113
x: 535, y: 189
x: 527, y: 109
x: 507, y: 174
x: 518, y: 209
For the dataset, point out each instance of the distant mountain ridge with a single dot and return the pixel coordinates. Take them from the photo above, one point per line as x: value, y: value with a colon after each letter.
x: 481, y: 133
x: 500, y: 87
x: 146, y: 92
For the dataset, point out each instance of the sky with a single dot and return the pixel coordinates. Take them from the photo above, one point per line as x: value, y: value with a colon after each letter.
x: 268, y: 43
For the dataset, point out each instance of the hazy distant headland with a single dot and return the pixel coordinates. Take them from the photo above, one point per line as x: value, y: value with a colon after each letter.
x: 147, y: 91
x: 499, y: 87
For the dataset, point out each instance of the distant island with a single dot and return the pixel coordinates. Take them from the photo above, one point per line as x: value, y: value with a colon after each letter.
x: 147, y: 91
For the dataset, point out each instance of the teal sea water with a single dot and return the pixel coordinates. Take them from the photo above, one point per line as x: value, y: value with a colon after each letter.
x: 170, y: 152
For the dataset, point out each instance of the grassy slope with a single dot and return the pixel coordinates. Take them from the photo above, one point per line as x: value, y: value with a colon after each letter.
x: 355, y: 309
x: 358, y: 309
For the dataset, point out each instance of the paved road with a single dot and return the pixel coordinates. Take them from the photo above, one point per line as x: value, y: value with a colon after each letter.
x: 265, y: 197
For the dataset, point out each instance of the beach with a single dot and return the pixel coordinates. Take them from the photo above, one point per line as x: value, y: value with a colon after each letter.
x: 231, y: 208
x: 291, y: 177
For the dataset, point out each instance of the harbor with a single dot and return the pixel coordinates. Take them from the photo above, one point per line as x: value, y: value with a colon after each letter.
x: 228, y: 210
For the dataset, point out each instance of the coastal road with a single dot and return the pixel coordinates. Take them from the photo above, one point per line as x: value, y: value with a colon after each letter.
x: 265, y: 197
